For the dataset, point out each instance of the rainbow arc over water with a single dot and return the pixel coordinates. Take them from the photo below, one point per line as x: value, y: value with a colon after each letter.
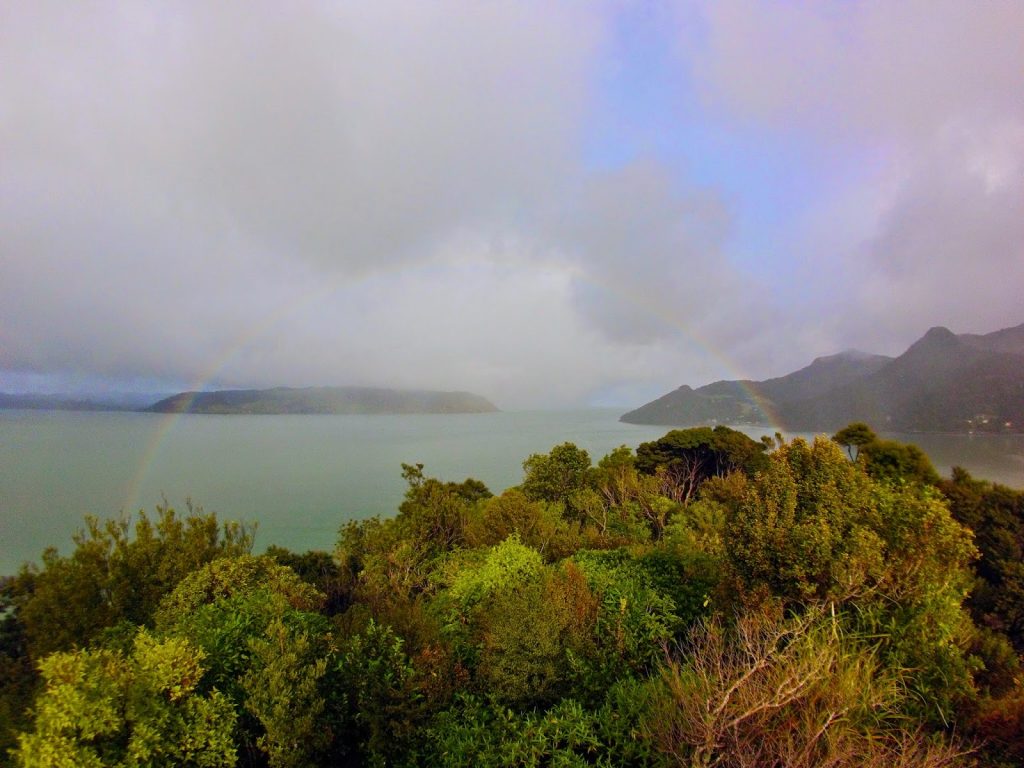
x: 641, y: 304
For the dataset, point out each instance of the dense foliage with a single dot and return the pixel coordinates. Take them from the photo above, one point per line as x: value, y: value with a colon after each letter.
x: 707, y: 601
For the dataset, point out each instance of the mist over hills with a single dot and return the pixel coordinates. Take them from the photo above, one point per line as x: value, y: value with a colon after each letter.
x: 279, y: 400
x: 109, y: 401
x: 323, y: 400
x: 942, y: 383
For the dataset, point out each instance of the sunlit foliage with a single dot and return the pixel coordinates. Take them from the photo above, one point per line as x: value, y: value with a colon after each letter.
x: 707, y: 601
x: 118, y: 572
x: 102, y: 708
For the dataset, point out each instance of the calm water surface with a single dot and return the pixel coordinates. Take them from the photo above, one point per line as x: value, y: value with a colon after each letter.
x: 301, y: 477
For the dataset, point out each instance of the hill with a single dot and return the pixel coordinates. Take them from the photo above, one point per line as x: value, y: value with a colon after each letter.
x: 751, y: 402
x: 115, y: 401
x: 942, y: 383
x: 100, y: 401
x: 322, y: 400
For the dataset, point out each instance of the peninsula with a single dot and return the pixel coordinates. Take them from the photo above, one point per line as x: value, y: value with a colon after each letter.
x: 323, y: 400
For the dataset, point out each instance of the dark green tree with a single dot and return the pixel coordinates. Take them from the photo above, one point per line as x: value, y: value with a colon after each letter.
x: 318, y: 569
x: 538, y: 524
x: 267, y: 651
x: 896, y: 462
x: 854, y: 436
x: 384, y: 694
x: 113, y: 576
x: 537, y: 639
x: 557, y: 475
x: 284, y: 691
x: 236, y: 576
x: 19, y: 678
x: 433, y: 513
x: 996, y: 515
x: 685, y: 458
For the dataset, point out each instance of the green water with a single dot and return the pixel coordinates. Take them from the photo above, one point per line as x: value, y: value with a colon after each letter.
x: 301, y: 477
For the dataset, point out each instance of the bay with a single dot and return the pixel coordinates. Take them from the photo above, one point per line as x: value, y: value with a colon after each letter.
x: 302, y: 477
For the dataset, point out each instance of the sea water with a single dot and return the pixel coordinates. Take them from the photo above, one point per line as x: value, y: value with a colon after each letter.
x: 301, y: 477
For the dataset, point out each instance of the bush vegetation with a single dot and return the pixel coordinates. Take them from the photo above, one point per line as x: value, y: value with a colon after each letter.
x: 707, y: 600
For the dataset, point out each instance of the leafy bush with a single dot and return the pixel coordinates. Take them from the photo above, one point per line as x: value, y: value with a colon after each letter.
x: 538, y: 641
x: 507, y: 566
x: 538, y: 525
x: 635, y: 621
x: 794, y: 692
x: 112, y: 576
x: 230, y: 576
x: 100, y: 708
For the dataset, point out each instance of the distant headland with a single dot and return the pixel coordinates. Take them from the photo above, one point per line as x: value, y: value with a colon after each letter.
x: 323, y: 400
x: 942, y: 383
x: 279, y: 400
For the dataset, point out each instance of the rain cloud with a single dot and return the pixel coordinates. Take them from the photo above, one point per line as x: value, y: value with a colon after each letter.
x: 408, y: 194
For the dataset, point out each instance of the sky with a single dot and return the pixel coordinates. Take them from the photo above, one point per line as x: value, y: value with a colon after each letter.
x: 551, y: 204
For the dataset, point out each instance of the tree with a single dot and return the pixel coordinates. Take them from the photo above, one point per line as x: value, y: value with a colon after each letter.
x: 996, y: 515
x: 101, y: 708
x: 895, y: 462
x: 19, y: 679
x: 815, y: 527
x: 537, y: 639
x: 236, y: 576
x: 282, y: 690
x: 538, y: 524
x: 385, y: 693
x: 477, y: 734
x: 267, y: 652
x: 507, y: 566
x: 685, y: 458
x: 628, y: 495
x: 803, y: 528
x: 112, y: 576
x: 557, y: 475
x: 318, y: 569
x: 433, y: 514
x: 854, y: 436
x: 389, y: 563
x: 635, y: 619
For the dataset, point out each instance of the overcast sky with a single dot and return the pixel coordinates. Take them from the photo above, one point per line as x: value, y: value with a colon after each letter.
x: 550, y: 204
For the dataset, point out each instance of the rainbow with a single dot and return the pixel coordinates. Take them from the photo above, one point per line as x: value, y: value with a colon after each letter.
x: 168, y: 421
x: 644, y: 304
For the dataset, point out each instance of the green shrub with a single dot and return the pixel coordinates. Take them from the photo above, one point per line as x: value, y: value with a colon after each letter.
x: 101, y: 708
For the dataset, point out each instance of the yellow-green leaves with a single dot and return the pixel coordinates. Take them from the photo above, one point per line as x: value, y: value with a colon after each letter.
x: 102, y: 708
x: 236, y: 576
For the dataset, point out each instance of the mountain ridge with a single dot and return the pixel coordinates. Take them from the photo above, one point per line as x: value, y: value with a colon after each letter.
x: 942, y: 383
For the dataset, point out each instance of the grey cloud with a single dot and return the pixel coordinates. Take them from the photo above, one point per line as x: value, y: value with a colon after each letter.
x: 930, y: 92
x: 348, y: 135
x: 186, y: 179
x: 177, y: 175
x: 394, y: 193
x: 950, y: 247
x: 854, y: 69
x: 651, y: 254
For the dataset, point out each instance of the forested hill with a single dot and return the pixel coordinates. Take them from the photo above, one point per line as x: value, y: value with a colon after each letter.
x: 323, y: 400
x: 745, y: 402
x: 942, y: 383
